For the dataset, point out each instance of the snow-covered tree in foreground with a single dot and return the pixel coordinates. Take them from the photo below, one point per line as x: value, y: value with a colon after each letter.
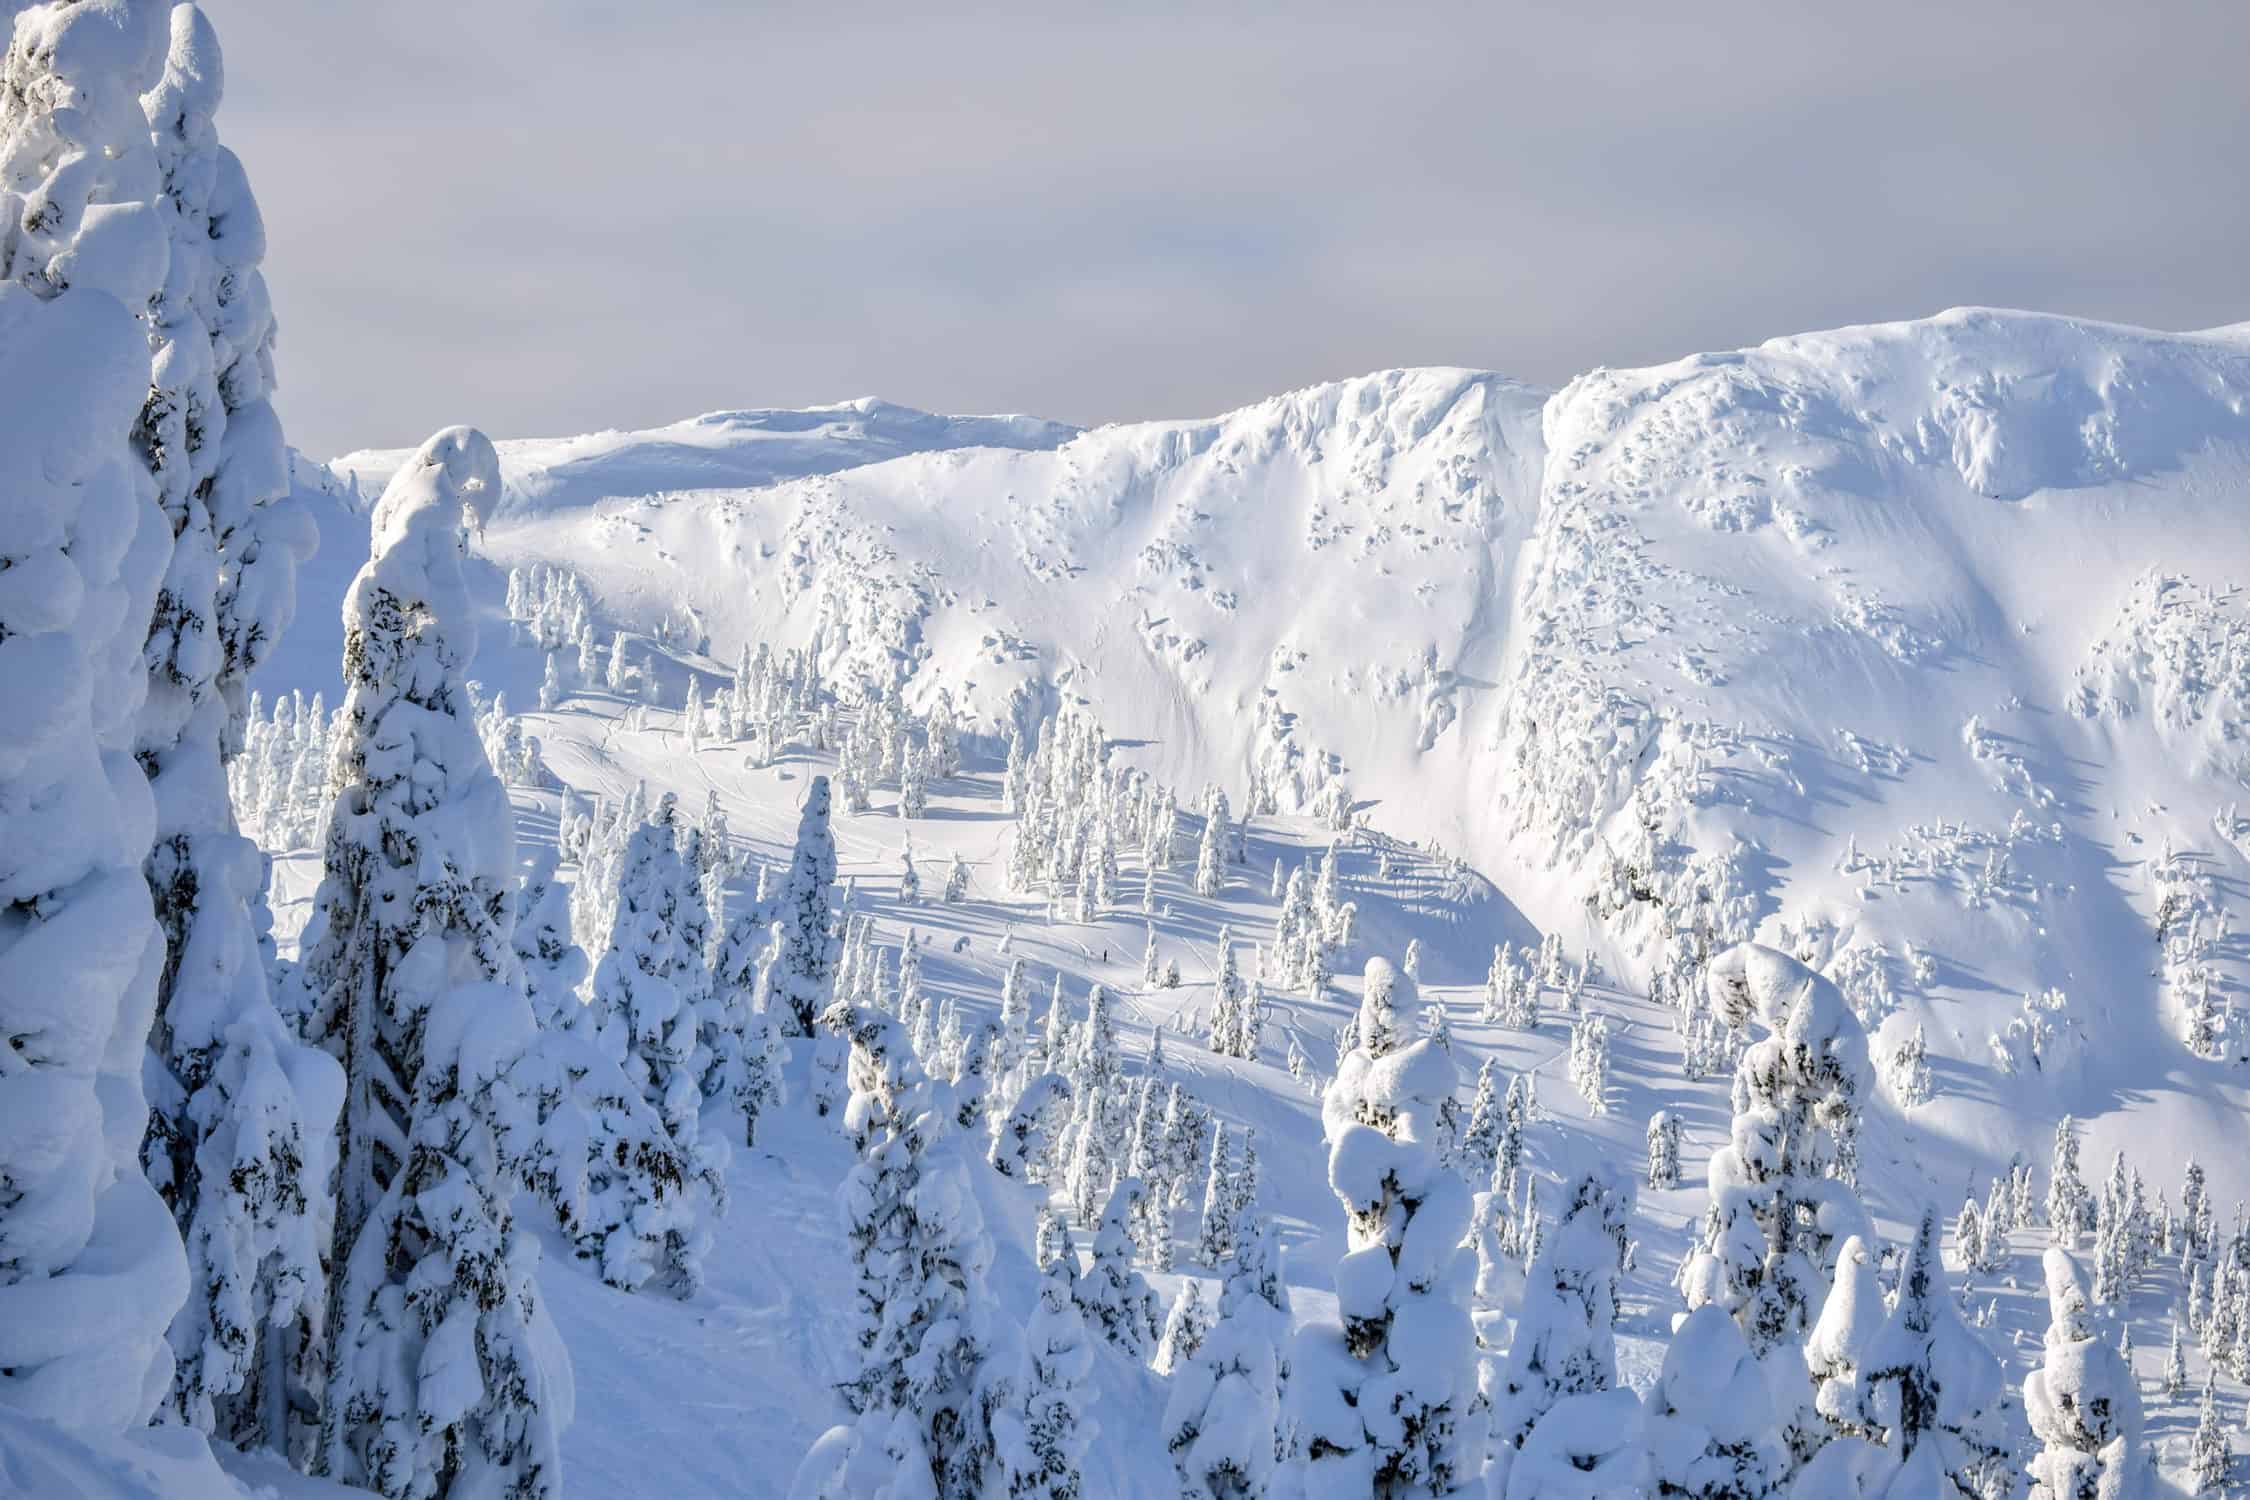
x: 1224, y: 1410
x: 1565, y: 1344
x: 1042, y: 1437
x: 1709, y: 1418
x: 1777, y: 1217
x: 921, y: 1397
x: 1930, y: 1415
x: 90, y: 1264
x: 445, y: 1374
x: 2084, y: 1404
x: 1384, y: 1401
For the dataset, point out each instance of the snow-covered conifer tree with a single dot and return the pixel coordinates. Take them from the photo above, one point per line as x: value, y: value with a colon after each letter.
x: 1184, y: 1327
x: 1928, y: 1380
x: 1908, y: 1070
x: 648, y: 995
x: 241, y: 1112
x: 1968, y: 1234
x: 2067, y: 1199
x: 1480, y: 1140
x: 1507, y: 1158
x: 2210, y: 1456
x: 806, y: 973
x: 1385, y: 1400
x: 413, y: 984
x: 1211, y: 854
x: 1779, y: 1215
x: 1565, y: 1344
x: 1228, y: 1033
x: 1015, y: 1018
x: 1589, y: 1062
x: 1664, y: 1149
x: 1224, y: 1411
x: 2084, y: 1407
x: 90, y: 1265
x: 1709, y: 1421
x: 1041, y: 1439
x: 1112, y: 1294
x: 923, y: 1421
x: 1214, y: 1239
x: 619, y: 678
x: 1837, y: 1350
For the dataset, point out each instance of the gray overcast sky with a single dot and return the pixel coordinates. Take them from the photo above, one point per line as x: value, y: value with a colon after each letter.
x: 545, y: 218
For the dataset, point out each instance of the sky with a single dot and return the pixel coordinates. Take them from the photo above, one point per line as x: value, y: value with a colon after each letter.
x: 551, y: 218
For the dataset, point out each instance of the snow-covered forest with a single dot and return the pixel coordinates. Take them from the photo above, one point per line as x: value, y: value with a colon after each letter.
x: 1425, y: 937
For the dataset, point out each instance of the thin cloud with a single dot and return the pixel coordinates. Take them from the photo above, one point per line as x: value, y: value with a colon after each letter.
x: 546, y: 219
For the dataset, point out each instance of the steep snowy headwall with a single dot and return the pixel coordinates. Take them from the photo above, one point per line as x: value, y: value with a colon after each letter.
x: 1915, y: 646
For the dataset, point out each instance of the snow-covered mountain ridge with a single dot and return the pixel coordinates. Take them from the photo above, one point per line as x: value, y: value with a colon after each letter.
x: 1918, y: 637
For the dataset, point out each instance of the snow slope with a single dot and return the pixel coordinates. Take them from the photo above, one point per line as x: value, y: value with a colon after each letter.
x: 1769, y: 588
x: 1917, y: 647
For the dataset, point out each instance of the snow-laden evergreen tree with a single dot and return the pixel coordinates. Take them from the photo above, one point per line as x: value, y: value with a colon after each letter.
x: 805, y: 976
x: 1386, y: 1401
x: 2198, y: 1236
x: 90, y: 1264
x: 1015, y: 1018
x: 1112, y: 1294
x: 1968, y: 1234
x: 619, y: 676
x: 647, y: 998
x: 241, y: 1112
x: 1709, y: 1422
x: 1590, y: 1447
x: 1928, y: 1381
x: 742, y: 1030
x: 1026, y: 1137
x: 1838, y: 1346
x: 1229, y: 1033
x: 1214, y: 1239
x: 1095, y: 1066
x: 2084, y: 1406
x: 1907, y: 1071
x: 1565, y: 1343
x: 1480, y: 1139
x: 1798, y: 1089
x: 1507, y: 1157
x: 1223, y: 1415
x: 1184, y: 1327
x: 920, y: 1398
x: 1041, y: 1438
x: 584, y: 1139
x: 413, y: 984
x: 1211, y: 854
x: 1589, y: 1062
x: 2210, y: 1455
x: 2068, y: 1205
x: 1664, y: 1149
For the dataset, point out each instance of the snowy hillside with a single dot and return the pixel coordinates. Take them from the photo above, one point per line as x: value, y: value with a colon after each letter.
x: 1922, y: 639
x: 1423, y: 938
x: 1916, y: 649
